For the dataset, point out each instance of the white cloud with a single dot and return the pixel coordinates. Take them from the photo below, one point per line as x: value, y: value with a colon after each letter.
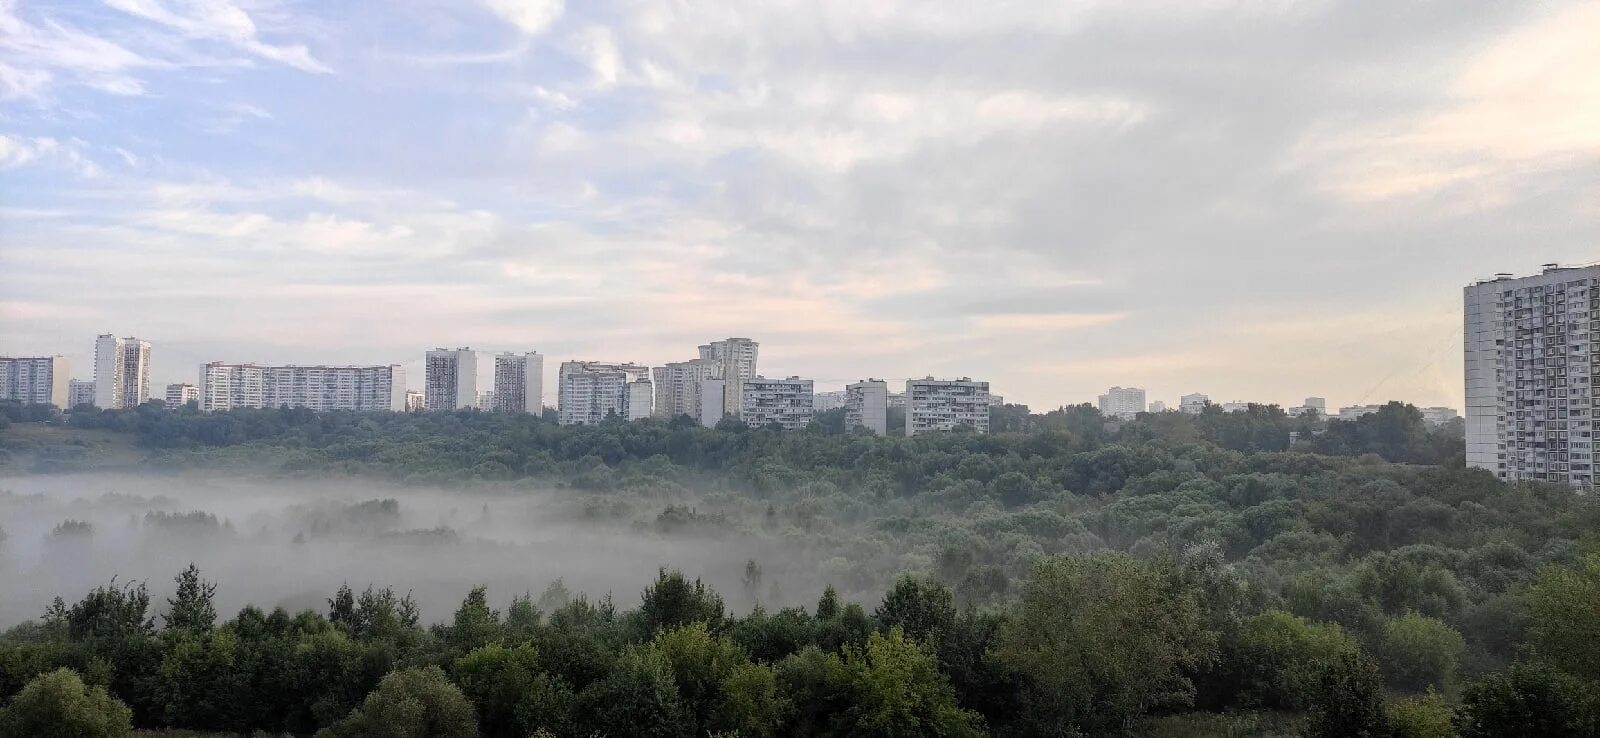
x: 598, y: 46
x: 220, y: 20
x: 530, y: 16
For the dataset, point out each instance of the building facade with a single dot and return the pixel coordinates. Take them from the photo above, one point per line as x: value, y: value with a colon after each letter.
x: 946, y: 404
x: 759, y: 402
x: 225, y: 386
x: 1316, y: 405
x: 1531, y: 347
x: 866, y: 405
x: 678, y: 385
x: 1122, y: 402
x: 121, y: 372
x: 450, y: 379
x: 1157, y: 406
x: 641, y: 399
x: 1193, y: 404
x: 179, y: 395
x: 825, y: 401
x: 414, y: 402
x: 519, y: 383
x: 1437, y: 416
x: 587, y: 392
x: 735, y: 357
x: 36, y: 380
x: 80, y: 392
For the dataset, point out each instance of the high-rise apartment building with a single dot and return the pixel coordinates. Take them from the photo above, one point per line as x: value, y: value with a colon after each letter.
x: 759, y: 402
x: 678, y: 385
x: 587, y: 392
x: 519, y: 383
x: 179, y: 395
x: 641, y: 399
x: 414, y: 402
x: 1193, y: 404
x: 121, y: 372
x: 866, y: 405
x: 450, y: 379
x: 80, y: 392
x: 1531, y: 347
x: 1123, y: 402
x: 225, y: 386
x: 735, y: 356
x: 36, y: 380
x: 946, y: 404
x: 825, y: 401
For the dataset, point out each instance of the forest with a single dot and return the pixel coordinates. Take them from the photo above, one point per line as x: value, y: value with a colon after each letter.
x: 1222, y: 574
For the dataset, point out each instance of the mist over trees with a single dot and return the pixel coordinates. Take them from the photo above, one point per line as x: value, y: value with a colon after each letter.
x: 1165, y: 575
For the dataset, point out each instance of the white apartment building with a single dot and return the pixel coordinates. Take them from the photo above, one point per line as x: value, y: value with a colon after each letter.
x: 759, y: 402
x: 641, y: 399
x: 945, y: 404
x: 825, y: 401
x: 1193, y: 404
x: 589, y: 391
x: 1531, y: 349
x: 225, y: 386
x: 1316, y: 405
x: 121, y: 372
x: 1122, y: 402
x: 1437, y: 416
x: 1352, y: 412
x: 80, y: 392
x: 519, y: 383
x: 414, y: 402
x: 713, y: 401
x: 36, y: 380
x: 866, y: 405
x: 897, y: 400
x: 179, y: 395
x: 450, y: 379
x: 736, y: 357
x: 1237, y: 406
x: 678, y: 385
x: 996, y: 401
x: 485, y: 401
x: 1157, y: 406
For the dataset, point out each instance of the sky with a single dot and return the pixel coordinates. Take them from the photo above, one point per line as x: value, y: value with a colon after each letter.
x: 1261, y: 201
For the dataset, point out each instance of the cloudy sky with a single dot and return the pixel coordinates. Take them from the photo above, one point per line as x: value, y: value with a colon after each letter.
x: 1258, y: 200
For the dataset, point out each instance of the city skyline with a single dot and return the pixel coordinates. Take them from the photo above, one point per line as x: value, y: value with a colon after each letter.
x: 1059, y: 198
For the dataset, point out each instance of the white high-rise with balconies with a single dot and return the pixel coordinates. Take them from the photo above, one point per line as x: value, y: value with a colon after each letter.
x: 866, y: 405
x: 225, y: 386
x: 80, y: 392
x: 519, y: 383
x: 946, y: 404
x: 588, y: 392
x: 678, y: 385
x: 1122, y: 402
x: 1531, y: 349
x: 121, y: 372
x: 735, y: 356
x: 759, y: 402
x: 450, y: 379
x: 36, y: 380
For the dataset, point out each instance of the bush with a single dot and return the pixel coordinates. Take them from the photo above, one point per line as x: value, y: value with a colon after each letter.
x: 59, y: 704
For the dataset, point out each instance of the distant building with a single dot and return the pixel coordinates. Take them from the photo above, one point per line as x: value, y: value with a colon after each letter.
x: 1157, y: 406
x: 945, y: 404
x: 121, y: 372
x: 450, y: 379
x: 1237, y: 406
x: 735, y: 357
x: 36, y: 380
x: 519, y: 383
x: 759, y: 402
x: 867, y: 406
x: 824, y: 401
x: 485, y: 401
x: 897, y: 400
x: 414, y: 402
x: 1351, y: 412
x: 641, y: 399
x: 677, y: 386
x: 80, y: 392
x: 587, y: 392
x: 996, y: 400
x: 713, y: 401
x: 1437, y: 416
x: 1316, y: 405
x: 179, y: 395
x: 1122, y: 402
x: 225, y: 386
x: 1193, y: 404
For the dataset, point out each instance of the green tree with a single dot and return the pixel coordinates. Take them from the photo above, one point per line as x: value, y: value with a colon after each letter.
x: 1566, y: 623
x: 1418, y: 652
x: 59, y: 705
x: 410, y: 703
x: 497, y: 679
x: 190, y: 609
x: 1422, y: 716
x: 1529, y: 699
x: 896, y: 689
x: 1349, y: 699
x: 922, y: 608
x: 1100, y: 640
x: 673, y: 601
x: 638, y: 698
x: 475, y: 624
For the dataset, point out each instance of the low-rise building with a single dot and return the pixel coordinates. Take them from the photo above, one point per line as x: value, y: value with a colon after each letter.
x: 1193, y: 404
x: 1157, y: 406
x: 182, y: 394
x: 1437, y: 416
x: 946, y: 404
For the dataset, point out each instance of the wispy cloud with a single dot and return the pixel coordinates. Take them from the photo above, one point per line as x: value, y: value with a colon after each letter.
x: 224, y: 21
